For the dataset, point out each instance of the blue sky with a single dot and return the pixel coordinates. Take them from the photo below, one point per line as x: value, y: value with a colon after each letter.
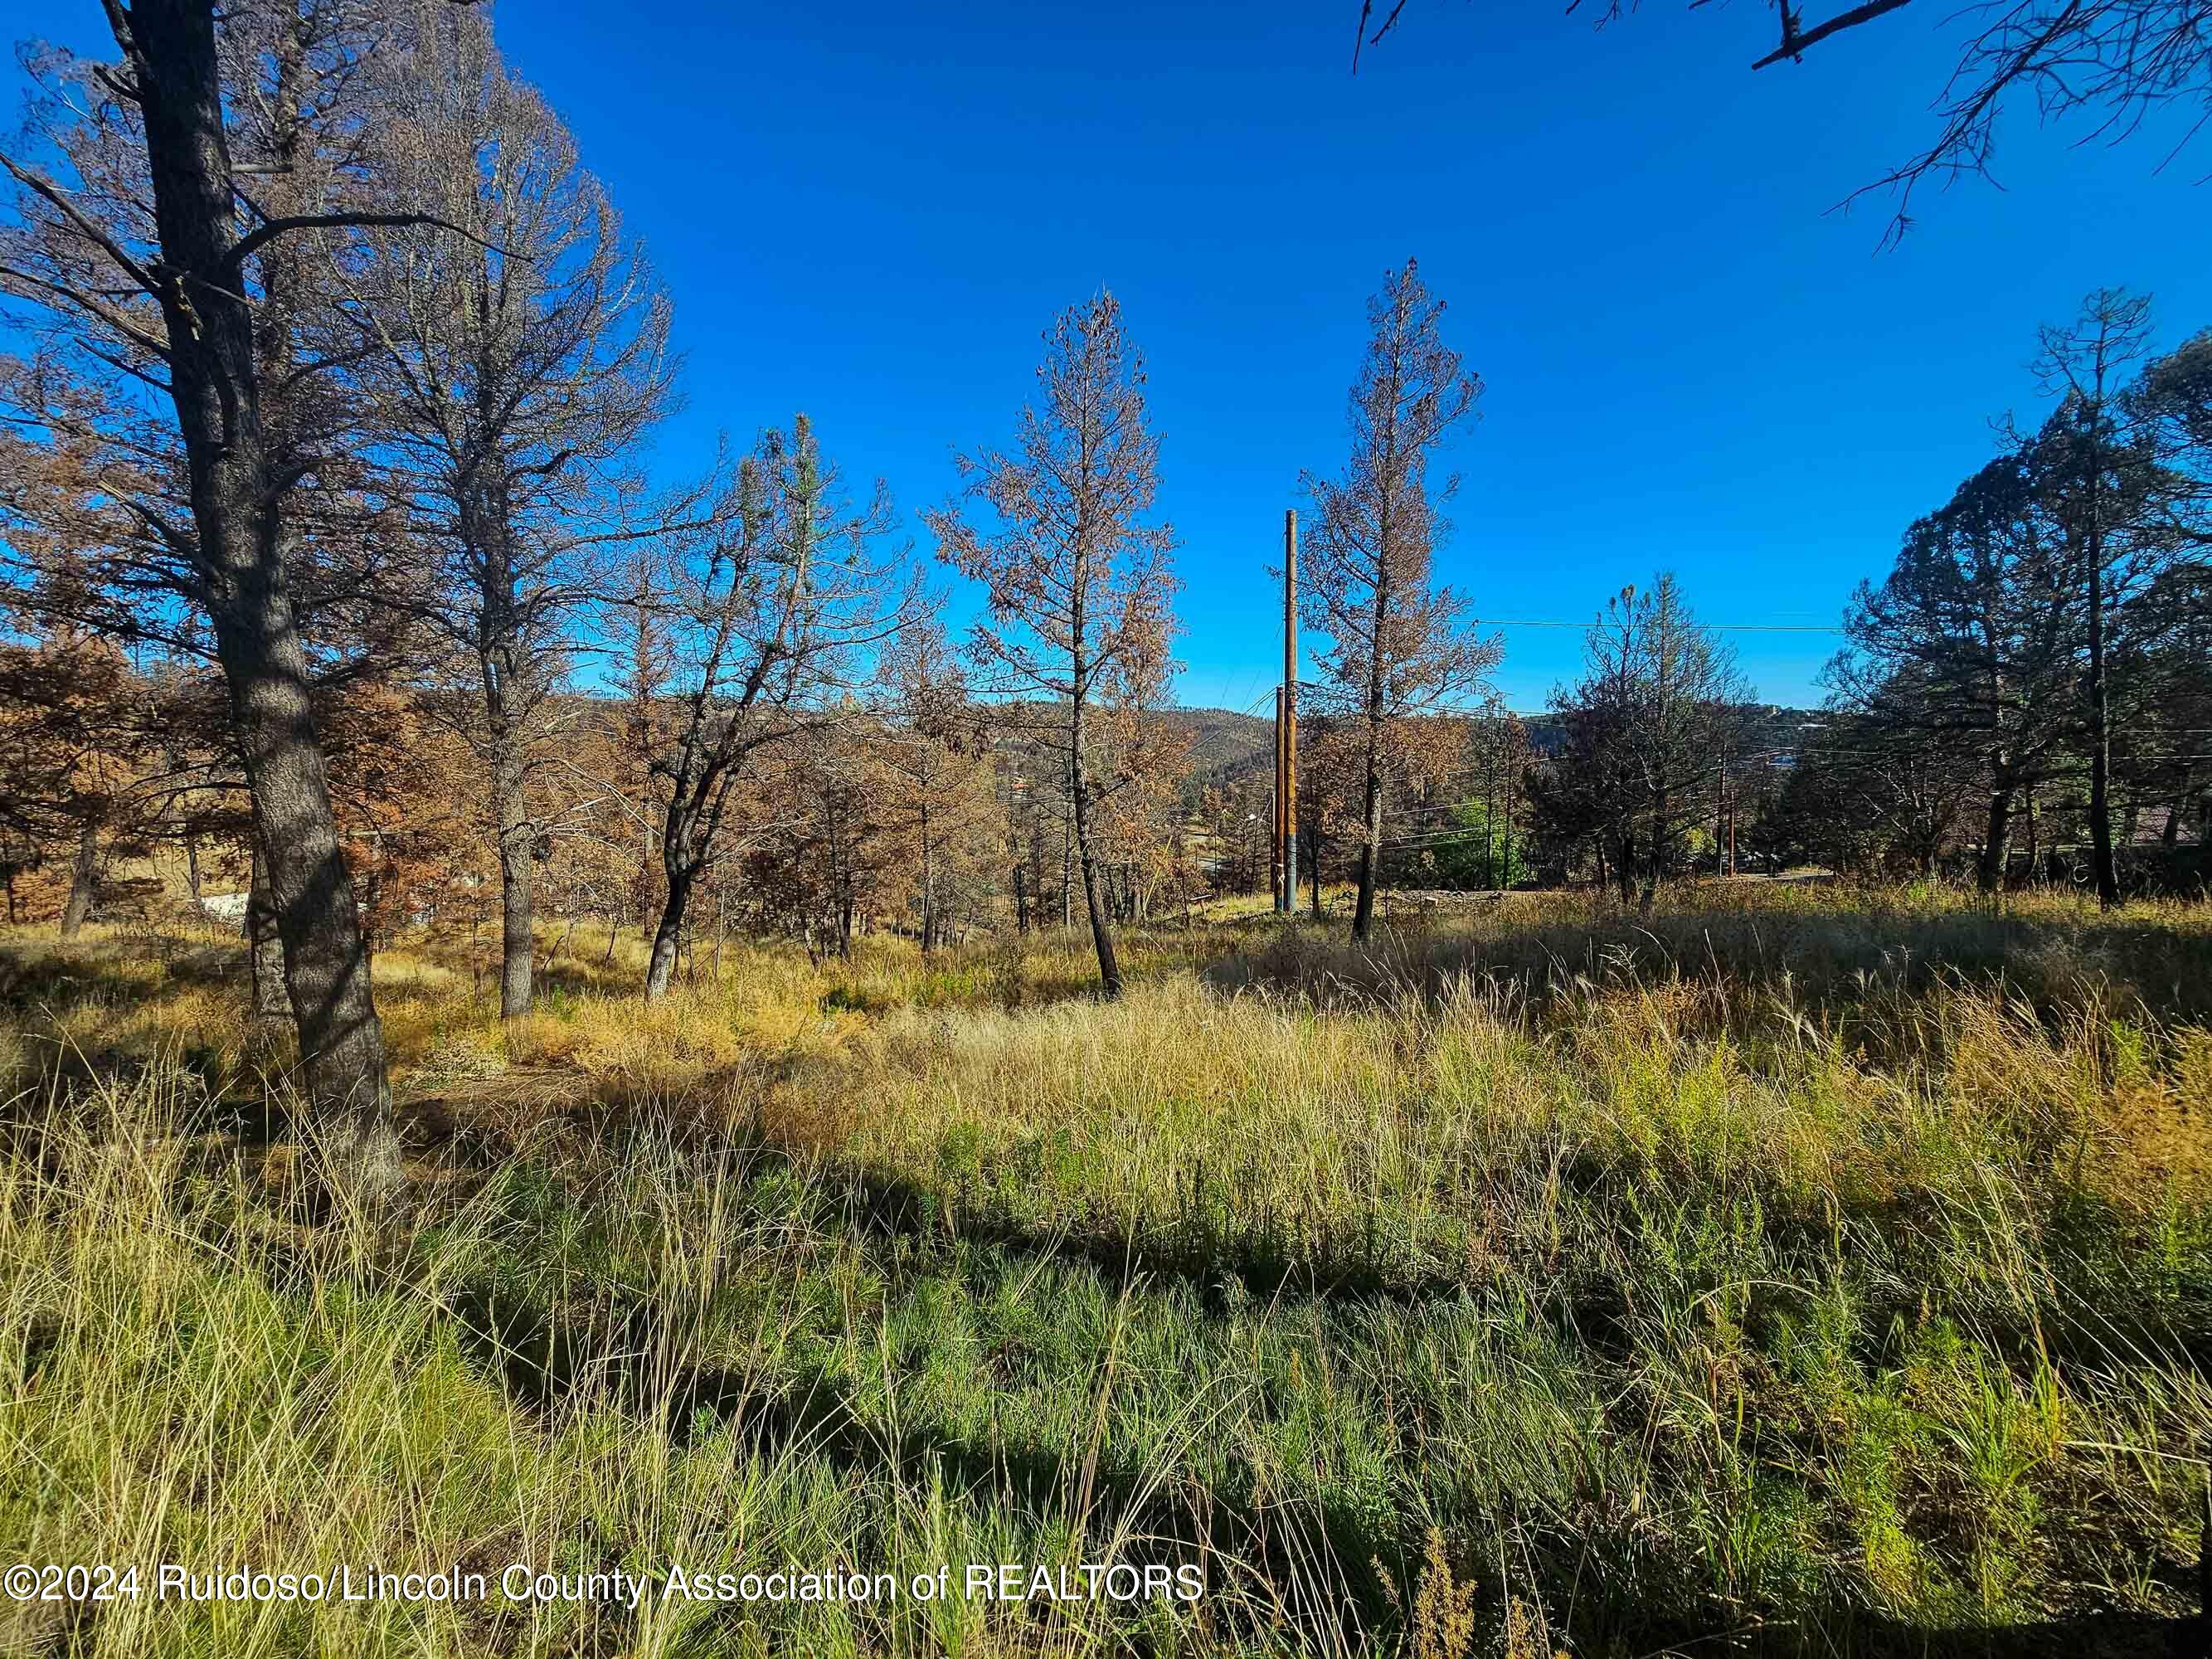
x: 871, y: 211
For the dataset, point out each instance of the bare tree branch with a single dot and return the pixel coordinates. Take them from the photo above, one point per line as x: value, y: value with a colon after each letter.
x: 1795, y: 40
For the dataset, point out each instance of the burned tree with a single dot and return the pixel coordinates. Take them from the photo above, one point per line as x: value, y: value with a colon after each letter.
x: 1079, y: 586
x: 514, y: 355
x: 938, y: 798
x: 1399, y: 647
x: 772, y: 608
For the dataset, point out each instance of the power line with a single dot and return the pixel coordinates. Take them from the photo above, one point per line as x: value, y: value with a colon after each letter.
x: 1252, y: 707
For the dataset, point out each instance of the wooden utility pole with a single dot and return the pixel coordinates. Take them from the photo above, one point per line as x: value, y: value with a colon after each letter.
x: 1726, y: 853
x: 1720, y: 818
x: 1275, y: 812
x: 1287, y: 778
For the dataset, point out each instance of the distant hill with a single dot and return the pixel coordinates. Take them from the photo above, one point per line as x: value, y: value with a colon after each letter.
x: 1227, y: 745
x: 1223, y: 745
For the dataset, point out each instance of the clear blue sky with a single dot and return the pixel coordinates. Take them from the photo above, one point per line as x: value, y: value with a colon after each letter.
x: 870, y: 210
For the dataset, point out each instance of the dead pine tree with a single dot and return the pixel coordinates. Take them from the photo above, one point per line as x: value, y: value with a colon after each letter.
x: 1077, y: 586
x: 940, y: 793
x: 772, y: 608
x: 1399, y: 647
x: 512, y: 366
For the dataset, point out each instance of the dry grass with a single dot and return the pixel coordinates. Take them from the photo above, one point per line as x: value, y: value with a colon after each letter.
x: 1834, y: 1271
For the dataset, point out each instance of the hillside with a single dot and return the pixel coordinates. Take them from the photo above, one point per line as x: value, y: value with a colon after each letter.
x: 1225, y: 744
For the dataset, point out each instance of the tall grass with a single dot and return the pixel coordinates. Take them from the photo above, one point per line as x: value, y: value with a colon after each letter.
x: 1824, y: 1276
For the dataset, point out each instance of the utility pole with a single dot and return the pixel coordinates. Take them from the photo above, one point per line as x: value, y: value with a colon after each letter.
x: 1720, y: 818
x: 1275, y: 812
x: 1725, y: 820
x: 1512, y: 777
x: 1287, y: 778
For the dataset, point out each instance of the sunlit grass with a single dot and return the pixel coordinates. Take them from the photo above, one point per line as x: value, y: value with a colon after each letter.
x: 1835, y: 1266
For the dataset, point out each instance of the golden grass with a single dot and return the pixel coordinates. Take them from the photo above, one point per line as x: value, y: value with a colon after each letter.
x: 1823, y: 1263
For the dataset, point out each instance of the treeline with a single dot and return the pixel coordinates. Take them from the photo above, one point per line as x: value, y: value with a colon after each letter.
x: 2036, y: 671
x: 325, y: 493
x: 337, y: 560
x: 336, y: 563
x: 2026, y: 698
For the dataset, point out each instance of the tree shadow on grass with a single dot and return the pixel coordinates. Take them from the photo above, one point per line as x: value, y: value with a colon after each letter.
x: 1608, y: 1585
x: 2093, y: 1636
x: 1833, y: 962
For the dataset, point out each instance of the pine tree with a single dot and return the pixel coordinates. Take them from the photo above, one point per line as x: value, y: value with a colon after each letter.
x: 1400, y: 646
x: 1078, y: 587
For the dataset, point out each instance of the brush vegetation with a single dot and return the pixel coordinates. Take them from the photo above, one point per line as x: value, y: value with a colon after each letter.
x: 1822, y: 1273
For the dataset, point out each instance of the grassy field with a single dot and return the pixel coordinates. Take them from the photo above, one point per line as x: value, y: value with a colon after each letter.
x: 1789, y: 1272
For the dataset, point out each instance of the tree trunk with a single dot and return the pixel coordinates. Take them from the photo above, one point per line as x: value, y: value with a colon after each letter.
x: 518, y: 873
x: 1490, y: 830
x: 1067, y: 871
x: 1102, y: 931
x: 660, y: 969
x: 264, y: 951
x: 1370, y: 850
x: 84, y: 878
x: 928, y: 881
x: 1371, y: 847
x: 214, y: 385
x: 325, y: 958
x: 1507, y: 872
x: 1997, y: 840
x: 1370, y: 843
x: 2100, y: 730
x: 1656, y: 867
